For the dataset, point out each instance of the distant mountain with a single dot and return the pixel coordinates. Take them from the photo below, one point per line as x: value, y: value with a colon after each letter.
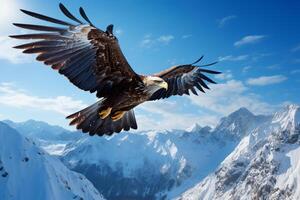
x: 51, y: 138
x: 265, y: 164
x: 27, y: 172
x: 240, y: 123
x: 42, y: 130
x: 157, y: 165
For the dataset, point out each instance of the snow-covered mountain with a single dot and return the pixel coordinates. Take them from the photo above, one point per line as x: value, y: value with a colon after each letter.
x: 157, y: 165
x: 27, y: 172
x: 265, y: 164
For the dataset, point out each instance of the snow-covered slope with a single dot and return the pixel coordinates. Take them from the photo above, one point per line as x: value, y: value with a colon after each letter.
x: 27, y: 172
x: 265, y: 164
x: 149, y: 165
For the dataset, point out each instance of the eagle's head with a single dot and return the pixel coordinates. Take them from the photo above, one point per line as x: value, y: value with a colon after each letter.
x: 154, y: 83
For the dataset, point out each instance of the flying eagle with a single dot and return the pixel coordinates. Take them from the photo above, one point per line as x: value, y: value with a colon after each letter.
x: 93, y: 61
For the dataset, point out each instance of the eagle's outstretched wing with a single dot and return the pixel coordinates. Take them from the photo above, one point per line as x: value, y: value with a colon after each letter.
x: 89, y: 57
x: 184, y: 78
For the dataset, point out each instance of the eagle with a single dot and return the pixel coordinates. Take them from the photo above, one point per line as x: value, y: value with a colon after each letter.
x: 92, y: 60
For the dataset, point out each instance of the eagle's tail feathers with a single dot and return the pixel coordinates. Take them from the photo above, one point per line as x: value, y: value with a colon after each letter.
x: 89, y: 120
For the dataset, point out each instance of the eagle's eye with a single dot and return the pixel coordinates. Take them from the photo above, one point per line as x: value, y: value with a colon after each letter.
x: 157, y: 81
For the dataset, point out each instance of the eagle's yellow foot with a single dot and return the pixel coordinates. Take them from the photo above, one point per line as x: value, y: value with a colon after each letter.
x: 118, y: 115
x: 104, y: 113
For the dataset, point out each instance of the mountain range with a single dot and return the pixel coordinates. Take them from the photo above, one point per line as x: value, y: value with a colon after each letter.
x: 244, y: 156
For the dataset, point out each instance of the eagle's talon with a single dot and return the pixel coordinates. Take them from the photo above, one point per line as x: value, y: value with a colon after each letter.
x: 104, y: 113
x: 117, y: 115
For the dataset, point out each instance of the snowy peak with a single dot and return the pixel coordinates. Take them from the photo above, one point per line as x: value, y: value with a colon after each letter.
x: 239, y: 123
x: 288, y: 117
x: 196, y: 128
x: 241, y: 112
x: 27, y: 172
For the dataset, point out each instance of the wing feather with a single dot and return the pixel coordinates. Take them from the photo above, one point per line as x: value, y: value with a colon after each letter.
x: 82, y: 13
x: 184, y: 78
x: 46, y: 18
x: 39, y: 27
x: 45, y: 36
x: 68, y: 14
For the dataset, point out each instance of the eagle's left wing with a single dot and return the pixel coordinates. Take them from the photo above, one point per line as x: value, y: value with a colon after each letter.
x: 89, y: 57
x: 184, y: 78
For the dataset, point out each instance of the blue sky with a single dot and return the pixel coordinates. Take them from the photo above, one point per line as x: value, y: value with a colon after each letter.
x: 256, y: 42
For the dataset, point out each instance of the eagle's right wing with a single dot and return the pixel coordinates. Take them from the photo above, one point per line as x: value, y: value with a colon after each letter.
x: 89, y: 57
x: 183, y: 79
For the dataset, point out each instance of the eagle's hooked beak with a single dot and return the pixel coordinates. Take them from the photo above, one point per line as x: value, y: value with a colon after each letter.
x: 164, y: 85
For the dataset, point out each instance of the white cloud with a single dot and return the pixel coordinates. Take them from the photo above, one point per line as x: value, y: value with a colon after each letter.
x: 296, y: 71
x: 14, y: 97
x: 296, y: 48
x: 119, y: 32
x: 225, y: 20
x: 165, y: 39
x: 172, y: 61
x: 149, y: 41
x: 266, y: 80
x: 274, y: 66
x: 186, y: 36
x: 166, y: 114
x: 8, y: 14
x: 250, y: 39
x: 258, y: 56
x: 246, y: 68
x: 233, y: 58
x: 7, y: 52
x: 224, y: 75
x: 227, y: 97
